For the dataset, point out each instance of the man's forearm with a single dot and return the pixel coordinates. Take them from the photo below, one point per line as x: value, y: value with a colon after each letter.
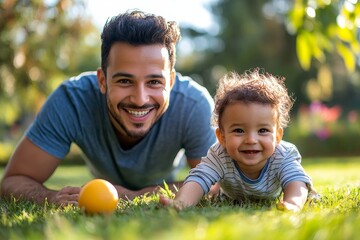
x: 21, y: 187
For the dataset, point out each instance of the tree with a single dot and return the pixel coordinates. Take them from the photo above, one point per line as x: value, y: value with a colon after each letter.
x: 325, y: 26
x: 313, y: 43
x: 41, y: 44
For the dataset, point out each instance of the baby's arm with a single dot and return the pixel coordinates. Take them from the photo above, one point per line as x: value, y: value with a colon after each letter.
x: 295, y: 196
x: 189, y: 195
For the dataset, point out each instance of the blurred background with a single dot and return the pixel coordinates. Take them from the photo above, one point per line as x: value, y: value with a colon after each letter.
x: 314, y: 44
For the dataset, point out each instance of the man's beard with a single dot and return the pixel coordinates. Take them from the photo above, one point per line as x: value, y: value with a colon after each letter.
x: 118, y: 122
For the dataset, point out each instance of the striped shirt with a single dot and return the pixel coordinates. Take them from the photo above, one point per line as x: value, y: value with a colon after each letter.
x: 281, y: 168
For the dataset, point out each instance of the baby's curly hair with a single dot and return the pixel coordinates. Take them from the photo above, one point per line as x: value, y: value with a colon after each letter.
x: 253, y: 86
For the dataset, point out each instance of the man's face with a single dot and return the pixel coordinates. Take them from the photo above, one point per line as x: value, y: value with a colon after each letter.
x: 137, y: 86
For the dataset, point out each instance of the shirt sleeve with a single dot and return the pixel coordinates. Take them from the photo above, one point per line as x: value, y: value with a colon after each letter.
x: 53, y: 128
x: 209, y: 171
x: 291, y: 169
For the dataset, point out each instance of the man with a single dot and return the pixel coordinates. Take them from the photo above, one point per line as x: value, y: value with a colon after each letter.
x: 130, y: 119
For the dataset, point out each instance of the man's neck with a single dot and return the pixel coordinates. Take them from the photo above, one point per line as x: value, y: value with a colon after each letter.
x: 126, y: 142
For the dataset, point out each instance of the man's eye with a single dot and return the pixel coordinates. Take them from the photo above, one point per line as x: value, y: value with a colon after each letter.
x: 154, y: 82
x: 123, y: 81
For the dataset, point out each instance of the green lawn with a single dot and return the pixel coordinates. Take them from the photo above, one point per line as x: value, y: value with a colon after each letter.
x: 337, y: 216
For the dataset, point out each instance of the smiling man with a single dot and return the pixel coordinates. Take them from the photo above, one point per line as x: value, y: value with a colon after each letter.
x: 131, y: 118
x: 138, y: 89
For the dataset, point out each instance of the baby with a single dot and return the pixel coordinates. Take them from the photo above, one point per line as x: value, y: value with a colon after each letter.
x: 250, y: 160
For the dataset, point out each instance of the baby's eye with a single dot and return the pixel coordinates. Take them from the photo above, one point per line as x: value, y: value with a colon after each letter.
x: 263, y: 130
x: 238, y: 130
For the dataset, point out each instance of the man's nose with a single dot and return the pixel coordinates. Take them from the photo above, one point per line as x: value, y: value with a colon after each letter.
x: 140, y: 95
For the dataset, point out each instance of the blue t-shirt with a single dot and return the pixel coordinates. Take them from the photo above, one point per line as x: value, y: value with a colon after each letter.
x: 76, y: 112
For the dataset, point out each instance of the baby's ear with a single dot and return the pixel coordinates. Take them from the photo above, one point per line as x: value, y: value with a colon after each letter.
x: 279, y: 134
x: 220, y: 136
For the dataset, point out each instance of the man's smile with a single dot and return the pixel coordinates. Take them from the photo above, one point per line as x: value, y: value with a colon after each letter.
x: 138, y: 113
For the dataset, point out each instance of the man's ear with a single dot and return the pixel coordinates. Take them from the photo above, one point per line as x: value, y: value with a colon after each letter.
x: 279, y: 134
x: 101, y: 80
x: 220, y: 136
x: 172, y: 77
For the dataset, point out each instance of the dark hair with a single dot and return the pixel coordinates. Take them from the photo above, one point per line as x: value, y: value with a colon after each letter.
x: 253, y: 86
x: 139, y: 28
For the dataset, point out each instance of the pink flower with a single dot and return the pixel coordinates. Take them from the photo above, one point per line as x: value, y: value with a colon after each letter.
x: 352, y: 116
x: 327, y: 114
x: 323, y: 133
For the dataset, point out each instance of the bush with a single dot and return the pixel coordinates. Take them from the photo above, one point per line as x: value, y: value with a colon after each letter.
x: 319, y: 130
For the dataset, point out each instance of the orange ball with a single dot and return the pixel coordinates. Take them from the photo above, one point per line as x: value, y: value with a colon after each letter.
x: 98, y: 196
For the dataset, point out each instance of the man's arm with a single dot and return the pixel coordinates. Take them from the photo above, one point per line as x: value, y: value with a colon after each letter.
x: 27, y: 170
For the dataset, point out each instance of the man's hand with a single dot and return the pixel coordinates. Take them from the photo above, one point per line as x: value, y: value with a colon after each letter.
x: 25, y: 188
x: 66, y: 196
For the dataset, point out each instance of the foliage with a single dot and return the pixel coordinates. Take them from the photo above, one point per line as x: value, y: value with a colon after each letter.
x: 42, y: 43
x: 336, y: 216
x: 325, y: 26
x: 313, y: 43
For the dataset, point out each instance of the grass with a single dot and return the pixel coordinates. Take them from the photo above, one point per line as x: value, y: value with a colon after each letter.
x: 337, y: 216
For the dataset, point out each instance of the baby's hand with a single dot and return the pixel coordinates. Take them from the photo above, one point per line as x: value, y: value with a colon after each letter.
x: 171, y: 203
x: 285, y: 206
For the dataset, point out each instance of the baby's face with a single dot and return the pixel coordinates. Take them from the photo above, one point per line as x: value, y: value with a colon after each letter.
x: 250, y: 134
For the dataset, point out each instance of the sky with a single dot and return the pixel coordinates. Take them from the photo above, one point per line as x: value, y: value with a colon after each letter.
x: 186, y: 12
